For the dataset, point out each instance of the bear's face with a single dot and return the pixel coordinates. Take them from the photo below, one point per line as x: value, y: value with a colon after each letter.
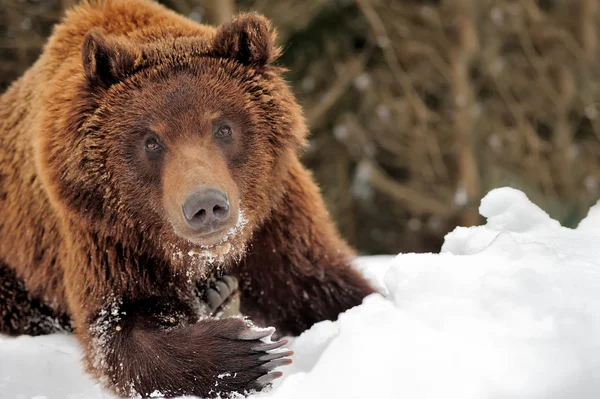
x: 183, y: 148
x: 187, y: 151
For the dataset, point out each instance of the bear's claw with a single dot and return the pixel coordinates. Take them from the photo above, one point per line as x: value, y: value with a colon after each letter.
x: 277, y: 355
x: 263, y: 381
x: 273, y: 364
x: 218, y: 291
x: 252, y: 335
x: 232, y: 282
x: 269, y: 346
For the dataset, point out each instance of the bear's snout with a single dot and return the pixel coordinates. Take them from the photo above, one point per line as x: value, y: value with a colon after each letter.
x: 206, y: 209
x: 200, y: 197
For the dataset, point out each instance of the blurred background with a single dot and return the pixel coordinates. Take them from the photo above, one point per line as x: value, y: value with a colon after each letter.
x: 417, y: 107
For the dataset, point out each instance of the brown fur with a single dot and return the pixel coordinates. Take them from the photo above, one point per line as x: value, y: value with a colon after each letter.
x: 90, y: 229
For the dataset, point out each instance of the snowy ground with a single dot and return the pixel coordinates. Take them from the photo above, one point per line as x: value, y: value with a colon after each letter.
x: 507, y: 310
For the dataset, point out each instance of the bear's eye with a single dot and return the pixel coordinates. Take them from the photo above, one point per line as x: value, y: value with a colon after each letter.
x: 152, y: 145
x: 223, y: 131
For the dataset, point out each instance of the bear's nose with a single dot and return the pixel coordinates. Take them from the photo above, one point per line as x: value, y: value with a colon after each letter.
x: 207, y: 207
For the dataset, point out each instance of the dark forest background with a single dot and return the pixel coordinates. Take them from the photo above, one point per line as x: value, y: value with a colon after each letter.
x: 417, y: 107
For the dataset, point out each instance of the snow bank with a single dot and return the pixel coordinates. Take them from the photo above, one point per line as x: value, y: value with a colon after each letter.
x: 510, y: 309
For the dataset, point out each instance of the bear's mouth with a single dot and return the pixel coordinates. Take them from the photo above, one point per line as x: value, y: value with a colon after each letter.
x: 219, y: 244
x: 214, y: 251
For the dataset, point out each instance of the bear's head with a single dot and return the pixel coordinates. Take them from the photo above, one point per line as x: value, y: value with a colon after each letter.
x: 181, y: 144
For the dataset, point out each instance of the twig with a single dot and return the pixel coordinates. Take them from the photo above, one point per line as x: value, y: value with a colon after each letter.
x: 349, y: 72
x: 416, y: 202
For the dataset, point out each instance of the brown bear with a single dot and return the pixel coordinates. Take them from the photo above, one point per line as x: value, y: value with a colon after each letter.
x: 139, y: 155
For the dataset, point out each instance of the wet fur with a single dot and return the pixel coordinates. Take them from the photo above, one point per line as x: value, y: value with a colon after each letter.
x: 75, y: 250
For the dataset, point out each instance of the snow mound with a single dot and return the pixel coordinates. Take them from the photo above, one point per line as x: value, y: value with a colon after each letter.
x: 510, y: 309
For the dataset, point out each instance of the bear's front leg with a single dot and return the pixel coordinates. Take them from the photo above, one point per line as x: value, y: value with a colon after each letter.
x: 297, y: 270
x: 145, y: 347
x: 22, y: 313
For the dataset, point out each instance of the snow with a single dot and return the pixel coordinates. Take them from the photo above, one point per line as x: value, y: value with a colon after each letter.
x: 510, y: 309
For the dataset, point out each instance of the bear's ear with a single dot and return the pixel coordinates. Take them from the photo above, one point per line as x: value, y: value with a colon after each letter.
x: 107, y: 60
x: 247, y: 38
